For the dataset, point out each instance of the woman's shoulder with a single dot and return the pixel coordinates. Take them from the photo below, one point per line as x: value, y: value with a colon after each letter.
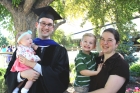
x: 121, y: 61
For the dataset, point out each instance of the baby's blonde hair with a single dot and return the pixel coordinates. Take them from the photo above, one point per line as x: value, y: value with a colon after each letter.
x: 22, y: 34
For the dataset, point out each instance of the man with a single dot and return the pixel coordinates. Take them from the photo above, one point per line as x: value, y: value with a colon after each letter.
x: 51, y: 74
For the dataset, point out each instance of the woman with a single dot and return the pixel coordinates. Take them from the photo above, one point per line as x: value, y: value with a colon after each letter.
x: 114, y: 74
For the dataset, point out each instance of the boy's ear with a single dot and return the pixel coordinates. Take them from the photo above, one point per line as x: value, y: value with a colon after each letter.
x: 94, y: 47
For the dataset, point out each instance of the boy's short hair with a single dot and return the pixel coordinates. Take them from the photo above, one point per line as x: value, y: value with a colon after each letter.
x: 90, y: 35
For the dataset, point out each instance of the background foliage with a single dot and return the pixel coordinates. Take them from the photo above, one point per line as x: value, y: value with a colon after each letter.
x: 3, y: 88
x: 135, y: 69
x: 3, y: 40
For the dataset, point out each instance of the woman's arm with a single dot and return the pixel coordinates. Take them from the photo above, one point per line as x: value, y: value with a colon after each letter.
x: 113, y: 84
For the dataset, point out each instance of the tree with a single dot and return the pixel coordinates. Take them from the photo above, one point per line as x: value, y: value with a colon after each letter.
x: 19, y: 13
x: 3, y: 40
x: 60, y: 37
x: 100, y: 12
x: 5, y: 19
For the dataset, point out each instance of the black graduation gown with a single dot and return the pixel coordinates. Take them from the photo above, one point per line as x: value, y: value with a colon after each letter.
x: 55, y: 70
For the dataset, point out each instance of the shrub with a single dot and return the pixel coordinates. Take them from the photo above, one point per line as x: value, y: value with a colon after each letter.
x: 127, y: 49
x: 72, y: 73
x: 135, y: 68
x: 3, y: 88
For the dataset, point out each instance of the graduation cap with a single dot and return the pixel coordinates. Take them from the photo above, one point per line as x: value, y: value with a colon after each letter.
x: 47, y: 12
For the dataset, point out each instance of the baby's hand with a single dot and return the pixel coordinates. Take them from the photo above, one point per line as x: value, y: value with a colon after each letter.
x: 34, y: 46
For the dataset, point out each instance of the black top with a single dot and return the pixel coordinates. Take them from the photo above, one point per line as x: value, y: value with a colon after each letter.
x: 115, y: 65
x: 55, y: 70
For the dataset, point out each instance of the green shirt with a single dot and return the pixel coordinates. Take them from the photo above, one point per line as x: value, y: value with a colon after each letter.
x: 83, y: 62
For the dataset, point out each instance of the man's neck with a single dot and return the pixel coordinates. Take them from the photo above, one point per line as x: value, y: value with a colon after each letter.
x: 44, y: 38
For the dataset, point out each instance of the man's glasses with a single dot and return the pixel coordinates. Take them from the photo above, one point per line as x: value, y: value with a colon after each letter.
x: 44, y: 24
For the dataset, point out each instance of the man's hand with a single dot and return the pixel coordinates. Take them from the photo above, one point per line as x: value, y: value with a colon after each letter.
x: 26, y: 62
x: 22, y: 59
x: 30, y: 74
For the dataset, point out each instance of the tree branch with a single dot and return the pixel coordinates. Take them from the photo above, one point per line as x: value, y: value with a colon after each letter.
x: 28, y: 5
x: 58, y: 24
x: 43, y: 3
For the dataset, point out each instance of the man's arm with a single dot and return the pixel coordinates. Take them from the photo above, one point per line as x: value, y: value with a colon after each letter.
x: 32, y: 64
x: 26, y: 62
x: 30, y: 74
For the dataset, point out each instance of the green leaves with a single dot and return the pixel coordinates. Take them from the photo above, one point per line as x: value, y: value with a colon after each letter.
x: 6, y: 20
x: 100, y: 12
x: 3, y: 87
x: 135, y: 68
x: 16, y: 2
x: 3, y: 40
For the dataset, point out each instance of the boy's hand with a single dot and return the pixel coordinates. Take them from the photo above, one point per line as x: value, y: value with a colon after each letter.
x: 99, y: 67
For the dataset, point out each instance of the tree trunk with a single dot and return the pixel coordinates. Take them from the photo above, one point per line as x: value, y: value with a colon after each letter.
x: 24, y: 22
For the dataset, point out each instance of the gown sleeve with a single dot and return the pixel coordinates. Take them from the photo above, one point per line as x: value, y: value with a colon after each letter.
x: 11, y: 77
